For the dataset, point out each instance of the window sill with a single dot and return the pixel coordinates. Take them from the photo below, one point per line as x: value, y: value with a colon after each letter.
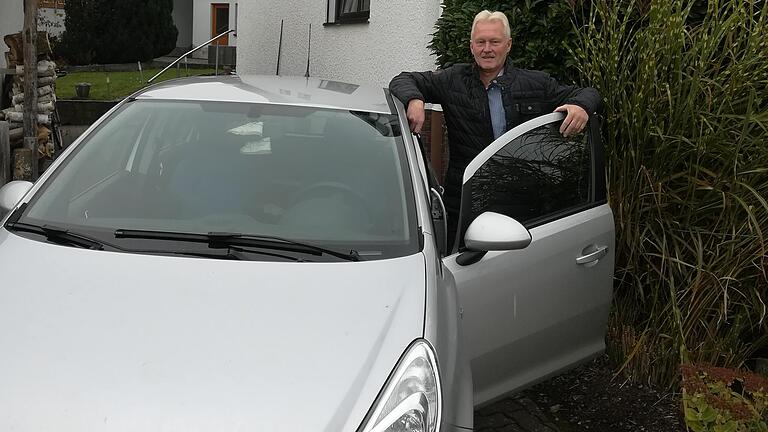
x: 363, y: 20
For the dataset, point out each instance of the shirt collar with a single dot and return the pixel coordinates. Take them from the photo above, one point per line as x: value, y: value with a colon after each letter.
x: 495, y: 82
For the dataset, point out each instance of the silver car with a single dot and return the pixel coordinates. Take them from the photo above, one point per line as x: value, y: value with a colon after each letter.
x: 270, y: 253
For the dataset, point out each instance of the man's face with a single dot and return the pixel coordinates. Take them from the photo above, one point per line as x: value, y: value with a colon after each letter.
x: 490, y: 45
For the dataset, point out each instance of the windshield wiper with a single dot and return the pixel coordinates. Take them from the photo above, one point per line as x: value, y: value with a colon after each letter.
x: 58, y: 235
x: 234, y: 253
x: 216, y: 240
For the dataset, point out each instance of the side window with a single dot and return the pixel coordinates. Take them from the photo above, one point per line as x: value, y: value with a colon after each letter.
x: 348, y: 11
x: 535, y: 178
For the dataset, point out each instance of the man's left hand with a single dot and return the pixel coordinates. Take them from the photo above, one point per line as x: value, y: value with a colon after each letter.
x: 575, y: 119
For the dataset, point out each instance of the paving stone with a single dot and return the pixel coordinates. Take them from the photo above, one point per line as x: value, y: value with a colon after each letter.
x: 513, y: 427
x: 532, y: 408
x: 503, y: 406
x: 491, y: 422
x: 531, y: 423
x: 510, y: 404
x: 488, y: 410
x: 514, y: 414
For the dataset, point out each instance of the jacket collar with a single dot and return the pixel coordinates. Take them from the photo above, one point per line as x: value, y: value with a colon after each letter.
x: 509, y: 73
x: 504, y: 79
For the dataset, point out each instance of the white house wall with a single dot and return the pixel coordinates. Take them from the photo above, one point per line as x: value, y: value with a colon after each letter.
x: 11, y: 21
x: 201, y: 27
x: 51, y: 20
x: 394, y: 39
x: 182, y: 18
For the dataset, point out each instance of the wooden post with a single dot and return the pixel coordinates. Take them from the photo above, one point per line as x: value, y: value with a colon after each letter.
x: 436, y: 149
x: 30, y: 81
x: 5, y: 153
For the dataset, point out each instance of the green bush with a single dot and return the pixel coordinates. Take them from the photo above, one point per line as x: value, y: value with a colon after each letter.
x: 540, y: 31
x: 724, y: 400
x: 77, y: 44
x: 106, y: 31
x: 686, y: 123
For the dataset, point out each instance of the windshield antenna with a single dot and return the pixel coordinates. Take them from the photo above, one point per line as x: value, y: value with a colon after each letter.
x: 309, y: 46
x: 279, y: 48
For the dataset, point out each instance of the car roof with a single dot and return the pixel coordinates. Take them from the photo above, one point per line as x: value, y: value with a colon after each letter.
x: 283, y: 90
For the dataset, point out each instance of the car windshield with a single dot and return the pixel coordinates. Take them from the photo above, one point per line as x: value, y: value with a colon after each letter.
x: 332, y: 178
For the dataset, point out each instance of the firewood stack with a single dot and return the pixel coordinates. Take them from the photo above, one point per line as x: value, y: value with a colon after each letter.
x: 46, y: 92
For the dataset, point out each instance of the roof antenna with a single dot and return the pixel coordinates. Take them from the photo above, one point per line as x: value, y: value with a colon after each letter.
x: 279, y: 48
x: 309, y: 46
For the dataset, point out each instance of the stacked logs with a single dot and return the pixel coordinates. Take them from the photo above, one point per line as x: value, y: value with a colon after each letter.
x: 46, y: 93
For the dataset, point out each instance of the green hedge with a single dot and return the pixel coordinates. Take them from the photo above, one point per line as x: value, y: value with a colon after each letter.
x: 541, y: 30
x: 125, y: 31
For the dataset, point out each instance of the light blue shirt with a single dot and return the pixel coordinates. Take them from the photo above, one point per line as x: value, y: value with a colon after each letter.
x: 496, y: 105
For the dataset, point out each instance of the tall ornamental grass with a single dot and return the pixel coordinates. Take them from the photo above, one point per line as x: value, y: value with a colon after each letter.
x: 686, y: 134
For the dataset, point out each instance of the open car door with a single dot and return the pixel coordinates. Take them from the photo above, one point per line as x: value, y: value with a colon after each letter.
x: 531, y: 312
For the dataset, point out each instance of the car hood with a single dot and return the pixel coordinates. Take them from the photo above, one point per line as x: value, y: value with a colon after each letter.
x: 93, y: 340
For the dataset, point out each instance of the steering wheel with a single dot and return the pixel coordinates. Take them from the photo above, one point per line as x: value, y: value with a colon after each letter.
x: 307, y: 198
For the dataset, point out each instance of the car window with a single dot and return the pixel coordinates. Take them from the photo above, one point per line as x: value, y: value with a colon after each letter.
x: 103, y: 162
x: 332, y: 177
x: 535, y: 178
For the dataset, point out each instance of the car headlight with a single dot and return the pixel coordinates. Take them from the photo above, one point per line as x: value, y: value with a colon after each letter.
x: 412, y: 399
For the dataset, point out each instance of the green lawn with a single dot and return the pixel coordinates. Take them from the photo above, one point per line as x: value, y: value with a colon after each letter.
x: 115, y: 85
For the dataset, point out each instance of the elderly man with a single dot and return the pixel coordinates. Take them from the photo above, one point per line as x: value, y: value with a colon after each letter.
x: 483, y: 100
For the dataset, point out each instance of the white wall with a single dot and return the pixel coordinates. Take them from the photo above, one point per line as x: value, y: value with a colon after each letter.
x: 182, y: 18
x: 11, y: 21
x: 201, y: 28
x: 395, y: 39
x: 51, y: 20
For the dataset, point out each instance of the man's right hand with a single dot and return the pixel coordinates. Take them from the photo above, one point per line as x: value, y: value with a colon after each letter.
x: 415, y: 115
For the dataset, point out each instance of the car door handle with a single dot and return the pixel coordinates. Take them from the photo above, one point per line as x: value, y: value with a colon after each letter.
x: 592, y: 256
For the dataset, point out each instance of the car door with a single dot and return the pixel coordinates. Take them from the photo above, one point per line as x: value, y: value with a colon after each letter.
x: 530, y: 313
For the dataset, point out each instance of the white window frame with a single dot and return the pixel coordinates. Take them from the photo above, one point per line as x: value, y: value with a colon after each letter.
x: 335, y: 16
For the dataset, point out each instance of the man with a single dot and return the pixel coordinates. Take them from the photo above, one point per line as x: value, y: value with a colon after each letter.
x: 483, y: 100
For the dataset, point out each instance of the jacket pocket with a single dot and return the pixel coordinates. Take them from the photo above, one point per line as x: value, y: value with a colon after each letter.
x: 529, y: 108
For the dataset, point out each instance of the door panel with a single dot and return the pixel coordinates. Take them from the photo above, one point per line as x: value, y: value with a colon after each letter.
x: 220, y: 22
x: 532, y: 312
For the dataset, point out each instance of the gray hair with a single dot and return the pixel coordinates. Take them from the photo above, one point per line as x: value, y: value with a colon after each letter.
x: 488, y: 16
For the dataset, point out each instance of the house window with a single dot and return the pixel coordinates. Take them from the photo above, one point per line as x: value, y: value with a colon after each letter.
x: 52, y: 4
x: 348, y: 11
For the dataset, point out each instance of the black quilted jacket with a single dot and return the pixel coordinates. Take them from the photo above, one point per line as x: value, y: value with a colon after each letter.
x: 525, y: 93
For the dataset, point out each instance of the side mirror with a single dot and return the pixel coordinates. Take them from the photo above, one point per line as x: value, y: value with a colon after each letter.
x: 493, y: 232
x: 12, y: 193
